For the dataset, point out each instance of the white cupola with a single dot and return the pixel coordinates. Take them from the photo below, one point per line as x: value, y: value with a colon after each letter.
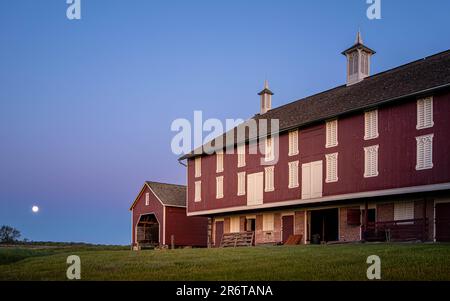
x: 358, y: 61
x: 266, y: 98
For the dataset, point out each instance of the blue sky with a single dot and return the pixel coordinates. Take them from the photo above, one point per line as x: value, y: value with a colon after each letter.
x: 86, y: 106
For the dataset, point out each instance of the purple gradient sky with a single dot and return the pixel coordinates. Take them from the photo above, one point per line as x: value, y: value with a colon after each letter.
x: 86, y: 106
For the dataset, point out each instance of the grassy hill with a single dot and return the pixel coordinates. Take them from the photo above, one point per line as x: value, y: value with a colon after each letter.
x: 327, y: 262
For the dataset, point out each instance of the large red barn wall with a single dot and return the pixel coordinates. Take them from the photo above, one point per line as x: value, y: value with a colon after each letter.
x: 154, y: 206
x: 187, y: 231
x: 397, y: 157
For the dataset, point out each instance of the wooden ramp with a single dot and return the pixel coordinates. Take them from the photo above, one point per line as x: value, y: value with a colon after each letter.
x: 241, y: 239
x: 293, y: 240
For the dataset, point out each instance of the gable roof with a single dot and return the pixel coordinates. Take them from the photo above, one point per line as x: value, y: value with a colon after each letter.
x: 411, y: 80
x: 168, y: 194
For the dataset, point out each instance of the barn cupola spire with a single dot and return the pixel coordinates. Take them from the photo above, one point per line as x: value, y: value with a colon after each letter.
x: 266, y: 98
x: 358, y: 61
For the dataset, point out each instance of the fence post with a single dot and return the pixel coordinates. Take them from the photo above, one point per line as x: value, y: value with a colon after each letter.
x: 172, y: 241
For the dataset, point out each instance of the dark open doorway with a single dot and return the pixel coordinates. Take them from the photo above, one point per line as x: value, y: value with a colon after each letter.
x: 147, y: 231
x: 325, y: 224
x: 250, y: 224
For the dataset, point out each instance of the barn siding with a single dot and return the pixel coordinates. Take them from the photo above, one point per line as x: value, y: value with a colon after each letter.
x: 397, y: 157
x: 187, y: 231
x: 140, y: 208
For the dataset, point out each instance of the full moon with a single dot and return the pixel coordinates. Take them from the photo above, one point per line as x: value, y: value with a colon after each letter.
x: 35, y: 209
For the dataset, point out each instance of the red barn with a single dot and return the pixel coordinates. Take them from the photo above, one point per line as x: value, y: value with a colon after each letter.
x: 367, y: 160
x: 159, y: 218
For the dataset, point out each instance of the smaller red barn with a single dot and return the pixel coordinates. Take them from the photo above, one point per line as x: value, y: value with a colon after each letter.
x: 159, y: 216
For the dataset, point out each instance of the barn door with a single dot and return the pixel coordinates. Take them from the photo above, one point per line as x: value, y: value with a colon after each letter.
x: 219, y: 234
x: 287, y: 227
x: 255, y: 186
x: 312, y: 180
x: 443, y: 222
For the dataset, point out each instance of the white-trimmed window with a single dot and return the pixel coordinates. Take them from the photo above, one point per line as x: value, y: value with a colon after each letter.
x: 147, y: 199
x: 269, y: 184
x: 403, y: 210
x: 241, y: 155
x: 219, y: 161
x: 371, y: 124
x: 198, y: 167
x: 331, y: 133
x: 268, y: 222
x: 425, y: 113
x: 219, y: 187
x: 241, y: 183
x: 332, y: 168
x: 293, y: 174
x: 371, y: 161
x: 293, y: 143
x: 268, y: 150
x: 235, y: 224
x: 424, y: 152
x: 198, y: 191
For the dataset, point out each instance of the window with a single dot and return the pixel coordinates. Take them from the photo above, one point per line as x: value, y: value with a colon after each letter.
x: 403, y: 210
x: 425, y: 113
x: 198, y: 191
x: 219, y: 161
x: 424, y: 152
x: 312, y: 180
x: 365, y: 63
x: 371, y: 124
x: 293, y: 143
x: 332, y: 168
x: 147, y: 199
x: 198, y: 167
x: 219, y: 187
x: 353, y: 63
x: 331, y: 133
x: 371, y: 161
x: 241, y: 155
x: 268, y: 222
x: 255, y: 189
x: 293, y: 174
x: 234, y: 224
x: 269, y: 149
x: 241, y: 183
x: 269, y: 179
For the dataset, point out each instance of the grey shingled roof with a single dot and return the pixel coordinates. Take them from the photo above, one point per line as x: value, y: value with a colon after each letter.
x: 413, y: 79
x: 169, y: 194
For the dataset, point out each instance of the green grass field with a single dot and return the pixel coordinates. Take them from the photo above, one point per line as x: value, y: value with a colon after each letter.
x: 327, y: 262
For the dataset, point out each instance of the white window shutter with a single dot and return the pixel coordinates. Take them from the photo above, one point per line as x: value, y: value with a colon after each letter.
x: 269, y: 179
x: 306, y: 181
x: 293, y: 143
x: 219, y: 161
x: 316, y: 179
x: 198, y: 191
x: 219, y: 187
x: 198, y: 167
x: 425, y: 113
x: 403, y: 211
x: 234, y: 224
x: 331, y: 168
x: 331, y: 133
x: 371, y: 161
x: 424, y: 152
x: 293, y: 174
x: 147, y: 199
x: 241, y: 183
x: 241, y: 155
x: 268, y: 222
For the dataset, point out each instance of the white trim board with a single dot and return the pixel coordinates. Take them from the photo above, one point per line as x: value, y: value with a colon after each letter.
x: 375, y: 193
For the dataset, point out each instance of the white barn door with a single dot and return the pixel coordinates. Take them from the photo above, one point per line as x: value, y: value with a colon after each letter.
x: 255, y: 188
x: 312, y: 180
